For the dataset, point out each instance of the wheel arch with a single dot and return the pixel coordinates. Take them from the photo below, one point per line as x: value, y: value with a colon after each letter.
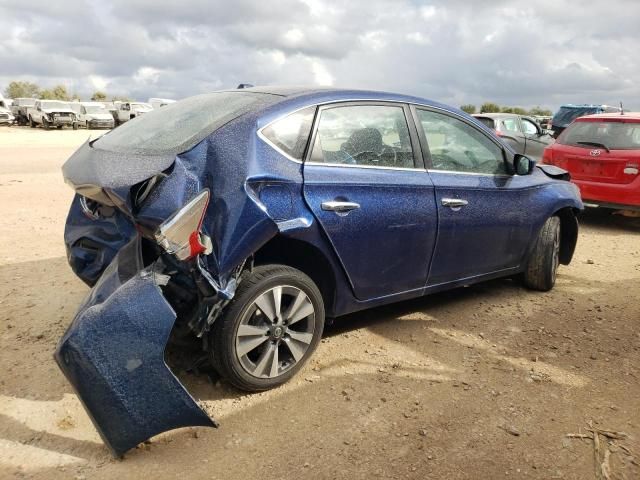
x: 302, y: 256
x: 568, y: 233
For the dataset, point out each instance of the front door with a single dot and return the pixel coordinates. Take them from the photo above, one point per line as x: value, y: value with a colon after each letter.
x: 364, y: 182
x: 483, y: 223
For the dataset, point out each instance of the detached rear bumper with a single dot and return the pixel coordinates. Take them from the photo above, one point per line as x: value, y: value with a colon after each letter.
x: 113, y: 355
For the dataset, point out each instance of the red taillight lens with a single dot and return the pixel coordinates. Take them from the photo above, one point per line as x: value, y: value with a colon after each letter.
x: 180, y: 234
x: 498, y: 133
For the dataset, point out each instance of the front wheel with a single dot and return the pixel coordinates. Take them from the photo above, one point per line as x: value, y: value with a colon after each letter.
x: 270, y: 328
x: 542, y: 267
x: 32, y: 124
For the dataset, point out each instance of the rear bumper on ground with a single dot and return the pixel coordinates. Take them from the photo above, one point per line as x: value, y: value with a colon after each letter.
x: 101, y: 123
x: 611, y: 195
x: 113, y: 356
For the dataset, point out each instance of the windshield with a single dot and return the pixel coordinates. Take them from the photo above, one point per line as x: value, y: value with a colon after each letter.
x: 26, y: 102
x: 566, y: 115
x: 611, y: 134
x: 52, y: 104
x: 94, y: 109
x: 178, y: 127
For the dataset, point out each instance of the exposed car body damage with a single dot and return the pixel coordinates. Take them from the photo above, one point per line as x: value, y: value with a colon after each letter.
x: 122, y: 380
x: 265, y: 208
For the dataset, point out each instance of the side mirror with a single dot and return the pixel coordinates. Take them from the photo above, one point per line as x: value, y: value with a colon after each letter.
x: 523, y: 165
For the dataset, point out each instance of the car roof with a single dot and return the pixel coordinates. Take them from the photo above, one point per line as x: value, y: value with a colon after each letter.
x: 293, y: 97
x: 498, y: 115
x: 628, y: 116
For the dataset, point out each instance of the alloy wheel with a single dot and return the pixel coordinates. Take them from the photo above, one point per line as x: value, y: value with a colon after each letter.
x: 275, y: 331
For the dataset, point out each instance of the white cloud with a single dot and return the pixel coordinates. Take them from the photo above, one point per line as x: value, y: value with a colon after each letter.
x: 321, y: 75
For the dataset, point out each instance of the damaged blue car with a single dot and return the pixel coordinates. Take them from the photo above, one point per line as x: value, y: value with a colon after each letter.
x: 246, y: 218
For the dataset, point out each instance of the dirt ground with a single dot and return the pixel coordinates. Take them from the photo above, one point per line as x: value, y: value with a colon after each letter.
x: 483, y: 382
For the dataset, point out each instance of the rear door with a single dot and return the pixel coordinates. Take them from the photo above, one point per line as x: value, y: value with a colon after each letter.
x: 537, y: 141
x: 483, y: 225
x: 365, y: 182
x: 510, y: 130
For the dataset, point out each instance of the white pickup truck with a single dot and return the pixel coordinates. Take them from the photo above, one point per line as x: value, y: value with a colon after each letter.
x: 128, y: 110
x: 52, y: 113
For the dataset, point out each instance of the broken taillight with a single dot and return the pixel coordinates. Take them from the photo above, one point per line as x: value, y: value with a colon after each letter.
x: 181, y: 234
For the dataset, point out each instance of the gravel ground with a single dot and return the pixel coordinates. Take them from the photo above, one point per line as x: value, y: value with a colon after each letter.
x: 480, y: 382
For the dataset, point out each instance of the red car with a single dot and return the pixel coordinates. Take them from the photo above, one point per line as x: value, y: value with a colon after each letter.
x: 602, y: 154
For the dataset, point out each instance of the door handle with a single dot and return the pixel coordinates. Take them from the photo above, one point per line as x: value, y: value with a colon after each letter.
x: 341, y: 208
x: 454, y: 202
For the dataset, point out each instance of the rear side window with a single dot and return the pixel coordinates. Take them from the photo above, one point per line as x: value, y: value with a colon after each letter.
x: 367, y: 135
x: 509, y: 125
x: 178, y: 127
x: 291, y: 133
x: 612, y: 135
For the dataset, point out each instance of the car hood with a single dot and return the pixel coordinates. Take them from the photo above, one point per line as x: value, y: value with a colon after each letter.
x: 57, y: 110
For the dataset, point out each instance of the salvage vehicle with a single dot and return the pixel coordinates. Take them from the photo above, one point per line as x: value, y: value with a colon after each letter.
x: 19, y: 109
x: 93, y: 115
x: 245, y: 218
x: 52, y: 113
x: 522, y: 133
x: 569, y: 112
x: 602, y: 154
x: 129, y: 110
x: 6, y: 117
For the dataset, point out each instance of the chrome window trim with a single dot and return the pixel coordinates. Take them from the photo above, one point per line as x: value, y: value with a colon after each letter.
x: 358, y: 99
x: 454, y: 172
x: 353, y: 165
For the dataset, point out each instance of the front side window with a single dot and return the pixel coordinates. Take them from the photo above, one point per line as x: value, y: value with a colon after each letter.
x: 367, y: 135
x: 529, y: 127
x: 291, y: 133
x: 458, y: 147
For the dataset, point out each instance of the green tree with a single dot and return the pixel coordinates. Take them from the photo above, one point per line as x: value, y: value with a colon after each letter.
x: 519, y: 111
x: 60, y: 93
x: 470, y: 109
x: 99, y: 96
x: 507, y: 110
x: 537, y: 111
x: 22, y: 90
x: 489, y: 107
x: 120, y: 99
x: 47, y: 94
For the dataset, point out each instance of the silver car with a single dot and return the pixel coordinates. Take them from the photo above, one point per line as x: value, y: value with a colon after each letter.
x: 523, y: 133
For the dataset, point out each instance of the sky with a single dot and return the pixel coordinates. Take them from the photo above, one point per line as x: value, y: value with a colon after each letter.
x: 518, y: 53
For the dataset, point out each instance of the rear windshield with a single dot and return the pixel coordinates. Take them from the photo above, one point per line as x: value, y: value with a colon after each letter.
x: 613, y: 135
x: 487, y: 121
x: 178, y: 127
x: 566, y: 115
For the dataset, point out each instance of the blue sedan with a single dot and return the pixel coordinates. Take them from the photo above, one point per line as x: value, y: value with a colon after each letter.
x: 244, y: 219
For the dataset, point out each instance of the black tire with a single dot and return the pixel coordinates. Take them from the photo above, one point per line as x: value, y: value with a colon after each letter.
x: 75, y: 125
x: 263, y: 279
x: 32, y: 124
x: 86, y: 125
x: 542, y: 266
x: 45, y: 124
x: 59, y: 127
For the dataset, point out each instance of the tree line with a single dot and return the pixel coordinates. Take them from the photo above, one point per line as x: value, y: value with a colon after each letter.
x: 59, y: 92
x: 490, y: 107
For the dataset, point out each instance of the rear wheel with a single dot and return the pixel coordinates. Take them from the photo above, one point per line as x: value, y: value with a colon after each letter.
x: 270, y: 328
x: 542, y: 267
x: 32, y: 124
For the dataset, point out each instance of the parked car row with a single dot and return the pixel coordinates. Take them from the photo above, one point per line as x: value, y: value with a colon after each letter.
x: 58, y: 114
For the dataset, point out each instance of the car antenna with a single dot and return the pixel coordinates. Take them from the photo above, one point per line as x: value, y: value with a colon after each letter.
x: 621, y: 109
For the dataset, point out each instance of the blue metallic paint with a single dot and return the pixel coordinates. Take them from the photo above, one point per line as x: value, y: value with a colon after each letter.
x: 379, y: 254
